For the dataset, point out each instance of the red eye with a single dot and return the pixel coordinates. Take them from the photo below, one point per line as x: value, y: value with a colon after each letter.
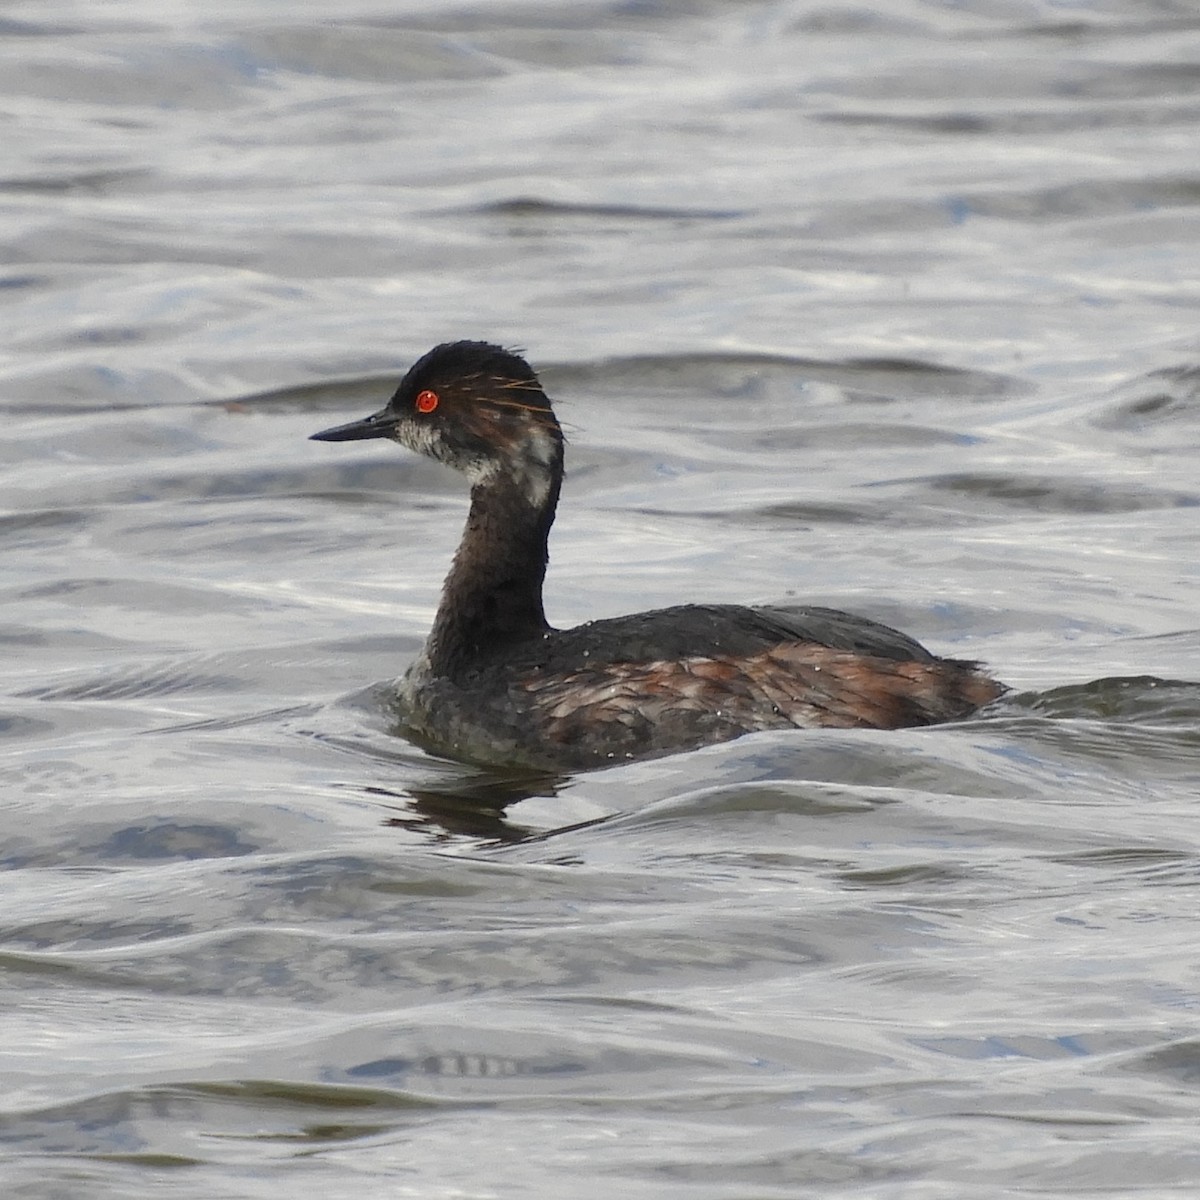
x: 427, y: 401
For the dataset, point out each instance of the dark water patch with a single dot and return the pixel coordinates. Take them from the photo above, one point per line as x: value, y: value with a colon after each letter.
x: 326, y: 395
x: 1145, y: 700
x: 1095, y: 763
x: 831, y: 21
x: 136, y: 595
x: 118, y: 1123
x: 22, y: 635
x: 1051, y: 494
x: 332, y: 967
x: 1140, y: 80
x: 257, y: 481
x: 111, y: 335
x: 784, y: 516
x: 1019, y: 1046
x: 1092, y: 201
x: 1098, y: 198
x: 815, y: 514
x: 992, y: 82
x: 197, y: 75
x: 1167, y: 398
x: 1137, y: 857
x: 20, y: 727
x: 79, y: 389
x: 1169, y: 17
x: 88, y: 183
x: 810, y: 799
x: 583, y: 16
x: 861, y: 770
x: 172, y: 841
x: 853, y: 435
x: 100, y: 1124
x: 136, y: 682
x: 374, y: 53
x: 113, y: 438
x: 12, y: 27
x: 997, y: 760
x: 1026, y: 123
x: 180, y: 511
x: 922, y: 875
x: 50, y: 725
x: 30, y: 528
x: 1149, y: 866
x: 286, y: 1094
x: 1178, y: 1061
x: 62, y: 944
x: 1180, y: 641
x: 269, y: 716
x: 532, y: 208
x: 742, y: 374
x: 16, y: 283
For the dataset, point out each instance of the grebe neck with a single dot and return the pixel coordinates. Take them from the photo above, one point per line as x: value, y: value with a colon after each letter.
x: 492, y: 597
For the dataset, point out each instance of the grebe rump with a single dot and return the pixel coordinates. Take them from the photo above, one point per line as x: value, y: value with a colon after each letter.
x: 496, y: 683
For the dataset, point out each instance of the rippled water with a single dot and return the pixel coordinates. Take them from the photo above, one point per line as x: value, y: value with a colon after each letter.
x: 888, y: 306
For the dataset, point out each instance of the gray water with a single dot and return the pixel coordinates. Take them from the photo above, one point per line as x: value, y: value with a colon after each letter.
x: 890, y: 306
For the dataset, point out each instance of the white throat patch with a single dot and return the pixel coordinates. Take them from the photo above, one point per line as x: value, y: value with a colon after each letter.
x: 537, y: 456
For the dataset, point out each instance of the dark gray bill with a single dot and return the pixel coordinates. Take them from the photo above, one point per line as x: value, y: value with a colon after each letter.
x: 381, y: 424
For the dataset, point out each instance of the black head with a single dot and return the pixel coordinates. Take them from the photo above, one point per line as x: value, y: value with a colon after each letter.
x: 474, y: 406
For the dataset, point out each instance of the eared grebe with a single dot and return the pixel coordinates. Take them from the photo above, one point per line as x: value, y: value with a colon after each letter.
x: 496, y: 683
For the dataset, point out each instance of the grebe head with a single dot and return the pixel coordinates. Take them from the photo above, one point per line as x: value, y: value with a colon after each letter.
x: 478, y: 408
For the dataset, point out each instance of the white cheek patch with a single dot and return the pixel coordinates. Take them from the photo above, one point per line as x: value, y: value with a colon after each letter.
x: 532, y: 467
x: 422, y: 438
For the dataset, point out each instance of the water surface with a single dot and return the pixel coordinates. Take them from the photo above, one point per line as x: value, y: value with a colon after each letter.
x: 891, y: 307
